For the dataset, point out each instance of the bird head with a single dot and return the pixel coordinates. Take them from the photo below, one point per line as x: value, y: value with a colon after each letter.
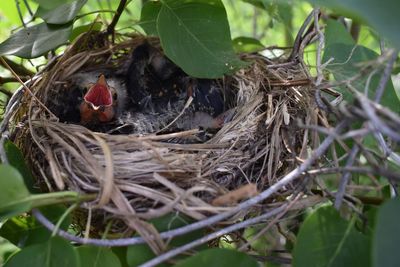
x: 98, y: 105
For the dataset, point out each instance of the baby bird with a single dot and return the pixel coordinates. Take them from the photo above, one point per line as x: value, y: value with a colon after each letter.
x: 152, y: 80
x: 99, y: 103
x: 152, y: 96
x: 159, y: 88
x: 89, y: 98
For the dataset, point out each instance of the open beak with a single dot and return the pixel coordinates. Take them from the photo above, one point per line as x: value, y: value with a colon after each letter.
x: 98, y: 103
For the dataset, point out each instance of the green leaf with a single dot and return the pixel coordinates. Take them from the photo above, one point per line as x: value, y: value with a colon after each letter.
x: 138, y: 254
x: 196, y: 36
x: 386, y: 237
x: 56, y: 252
x: 258, y: 3
x: 336, y: 32
x: 217, y: 257
x: 23, y: 231
x: 172, y: 221
x: 348, y: 62
x: 14, y: 194
x: 148, y: 17
x: 91, y: 256
x: 34, y: 41
x: 325, y: 239
x: 51, y: 4
x: 247, y: 44
x: 62, y: 14
x: 95, y: 26
x: 120, y: 252
x: 16, y: 159
x: 383, y: 15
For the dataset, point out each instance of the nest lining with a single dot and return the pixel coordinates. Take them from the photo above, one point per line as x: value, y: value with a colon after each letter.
x: 147, y: 177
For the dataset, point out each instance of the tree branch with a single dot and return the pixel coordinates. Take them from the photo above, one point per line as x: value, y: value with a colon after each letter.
x: 18, y: 68
x: 4, y: 80
x: 117, y: 15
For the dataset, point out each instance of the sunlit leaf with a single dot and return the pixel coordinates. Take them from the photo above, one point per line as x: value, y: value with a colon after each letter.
x: 91, y: 256
x: 56, y: 252
x: 325, y: 239
x: 196, y: 36
x: 386, y: 237
x: 247, y: 44
x: 95, y: 27
x: 14, y: 194
x: 34, y: 41
x: 217, y: 257
x: 62, y: 14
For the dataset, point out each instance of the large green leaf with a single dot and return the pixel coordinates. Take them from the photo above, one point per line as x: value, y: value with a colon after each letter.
x: 56, y: 252
x: 348, y: 62
x: 94, y: 27
x: 16, y: 159
x: 336, y: 32
x: 14, y: 196
x: 34, y: 41
x: 196, y: 36
x: 61, y: 14
x: 148, y: 17
x: 217, y: 257
x: 383, y: 15
x: 24, y: 231
x: 349, y: 59
x: 138, y: 254
x: 120, y: 252
x: 385, y: 250
x: 325, y: 239
x: 91, y: 256
x: 247, y: 44
x: 51, y: 4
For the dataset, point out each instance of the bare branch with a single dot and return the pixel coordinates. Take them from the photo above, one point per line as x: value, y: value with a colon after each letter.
x: 117, y: 15
x: 18, y: 68
x: 345, y: 177
x: 385, y: 76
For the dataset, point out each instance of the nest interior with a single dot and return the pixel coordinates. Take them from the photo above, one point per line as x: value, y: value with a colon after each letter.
x: 136, y: 178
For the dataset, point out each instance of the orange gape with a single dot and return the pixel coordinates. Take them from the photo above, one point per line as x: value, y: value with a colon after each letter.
x: 97, y: 105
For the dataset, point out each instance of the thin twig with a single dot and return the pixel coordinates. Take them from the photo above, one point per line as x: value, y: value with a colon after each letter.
x: 21, y: 17
x: 25, y: 86
x: 4, y: 80
x: 299, y: 37
x: 174, y: 252
x: 385, y: 76
x: 28, y: 7
x: 345, y: 177
x: 18, y: 68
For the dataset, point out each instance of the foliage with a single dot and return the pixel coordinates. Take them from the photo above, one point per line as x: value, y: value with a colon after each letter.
x: 197, y: 35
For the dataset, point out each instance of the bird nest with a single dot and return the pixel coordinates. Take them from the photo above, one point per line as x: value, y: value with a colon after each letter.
x: 138, y: 177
